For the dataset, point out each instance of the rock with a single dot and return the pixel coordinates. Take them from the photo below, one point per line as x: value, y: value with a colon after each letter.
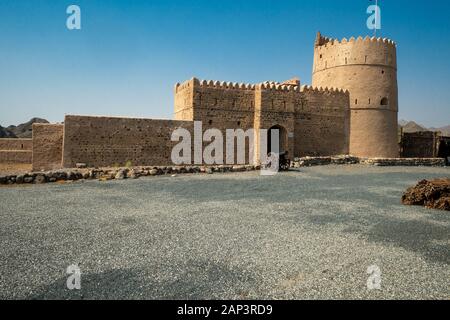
x: 183, y: 170
x: 434, y: 194
x: 52, y: 179
x: 120, y: 175
x: 81, y: 165
x: 3, y: 179
x: 71, y: 175
x: 60, y: 175
x: 133, y: 174
x: 196, y: 169
x: 92, y: 174
x: 40, y: 178
x: 153, y: 172
x: 238, y: 168
x: 19, y: 178
x: 28, y: 179
x: 106, y: 176
x: 209, y: 170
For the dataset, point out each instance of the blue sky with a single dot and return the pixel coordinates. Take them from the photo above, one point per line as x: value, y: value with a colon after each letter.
x: 129, y: 53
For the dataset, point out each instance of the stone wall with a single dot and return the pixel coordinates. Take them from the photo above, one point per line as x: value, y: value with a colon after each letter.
x: 322, y: 122
x: 419, y: 144
x: 15, y: 156
x: 16, y: 144
x: 15, y: 151
x: 408, y: 162
x: 382, y: 162
x: 111, y: 141
x: 47, y: 146
x: 312, y: 121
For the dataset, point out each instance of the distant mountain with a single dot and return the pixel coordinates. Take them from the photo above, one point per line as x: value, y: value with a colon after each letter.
x: 5, y: 133
x: 24, y: 130
x: 402, y: 122
x: 444, y: 130
x: 411, y: 126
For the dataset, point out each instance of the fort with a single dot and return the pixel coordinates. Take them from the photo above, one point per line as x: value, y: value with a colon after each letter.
x: 350, y: 109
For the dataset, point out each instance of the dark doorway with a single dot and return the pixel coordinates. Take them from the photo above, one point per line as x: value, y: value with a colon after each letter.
x: 282, y: 138
x: 444, y: 149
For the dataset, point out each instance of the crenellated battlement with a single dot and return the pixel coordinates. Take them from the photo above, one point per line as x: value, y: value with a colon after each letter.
x: 327, y: 42
x: 225, y: 85
x: 184, y: 85
x: 276, y: 86
x: 331, y: 53
x: 306, y: 88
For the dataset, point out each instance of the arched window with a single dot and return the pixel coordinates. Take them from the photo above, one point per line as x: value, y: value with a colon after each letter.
x: 384, y: 101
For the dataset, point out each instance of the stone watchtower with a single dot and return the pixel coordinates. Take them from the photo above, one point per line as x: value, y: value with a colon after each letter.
x: 368, y: 69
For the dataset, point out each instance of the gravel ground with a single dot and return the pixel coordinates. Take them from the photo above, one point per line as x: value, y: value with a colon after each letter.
x: 307, y: 234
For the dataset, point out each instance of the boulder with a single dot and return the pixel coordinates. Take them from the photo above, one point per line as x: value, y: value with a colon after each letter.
x: 19, y: 178
x: 133, y: 174
x: 28, y: 179
x: 40, y: 178
x: 120, y: 175
x: 238, y: 168
x: 71, y: 175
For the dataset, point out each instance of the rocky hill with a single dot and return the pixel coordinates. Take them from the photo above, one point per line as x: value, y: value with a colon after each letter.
x: 23, y: 130
x: 445, y: 130
x: 411, y: 126
x: 5, y: 133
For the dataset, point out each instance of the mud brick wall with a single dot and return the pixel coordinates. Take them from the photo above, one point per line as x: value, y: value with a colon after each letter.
x: 419, y: 145
x: 313, y: 121
x: 322, y: 122
x: 111, y: 141
x: 47, y: 146
x: 15, y: 156
x: 16, y: 144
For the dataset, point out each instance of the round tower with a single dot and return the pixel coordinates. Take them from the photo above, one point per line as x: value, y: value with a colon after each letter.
x: 368, y: 69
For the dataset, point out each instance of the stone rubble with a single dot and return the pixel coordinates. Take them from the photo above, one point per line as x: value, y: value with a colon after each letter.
x: 348, y: 159
x: 433, y: 194
x: 106, y: 174
x: 113, y: 173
